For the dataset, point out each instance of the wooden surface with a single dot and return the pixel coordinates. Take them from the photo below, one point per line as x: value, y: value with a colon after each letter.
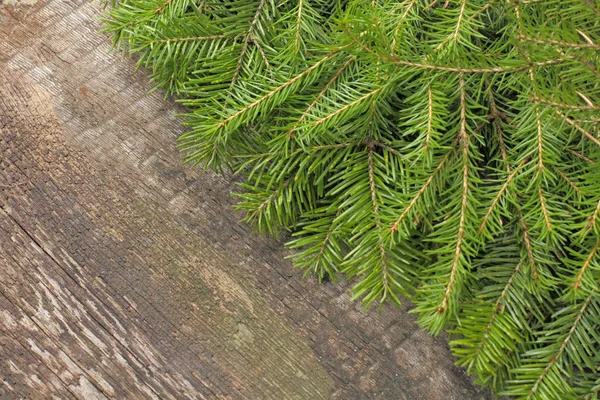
x: 124, y: 275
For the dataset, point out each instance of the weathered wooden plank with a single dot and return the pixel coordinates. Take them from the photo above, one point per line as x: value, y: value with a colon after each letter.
x: 68, y: 328
x: 149, y: 285
x: 24, y: 375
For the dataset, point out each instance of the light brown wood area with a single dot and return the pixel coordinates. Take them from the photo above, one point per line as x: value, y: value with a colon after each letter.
x: 124, y: 275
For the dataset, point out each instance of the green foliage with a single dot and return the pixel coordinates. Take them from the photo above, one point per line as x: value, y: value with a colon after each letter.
x: 443, y: 150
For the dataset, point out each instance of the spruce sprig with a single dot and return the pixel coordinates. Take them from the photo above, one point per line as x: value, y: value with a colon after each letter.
x: 445, y: 151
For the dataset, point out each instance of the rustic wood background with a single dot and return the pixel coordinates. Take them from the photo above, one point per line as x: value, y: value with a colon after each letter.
x: 124, y: 275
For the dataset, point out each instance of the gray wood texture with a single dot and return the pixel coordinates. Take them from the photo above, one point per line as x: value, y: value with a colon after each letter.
x: 125, y: 275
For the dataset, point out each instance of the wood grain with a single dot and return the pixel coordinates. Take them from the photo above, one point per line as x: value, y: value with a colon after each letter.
x: 125, y: 275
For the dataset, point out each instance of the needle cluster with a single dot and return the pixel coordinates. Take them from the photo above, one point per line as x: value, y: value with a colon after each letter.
x: 443, y: 150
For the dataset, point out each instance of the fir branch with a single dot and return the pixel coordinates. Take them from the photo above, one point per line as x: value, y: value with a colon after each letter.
x: 540, y: 168
x: 321, y: 93
x: 263, y: 55
x: 559, y: 43
x: 464, y: 142
x: 435, y: 67
x: 497, y: 322
x: 465, y: 178
x: 497, y: 116
x: 375, y: 203
x: 569, y: 181
x: 276, y: 90
x: 528, y: 246
x: 497, y: 307
x: 483, y: 9
x: 161, y: 7
x: 586, y: 264
x: 298, y: 25
x: 459, y: 21
x: 395, y: 226
x: 388, y: 148
x: 429, y: 116
x: 544, y: 208
x: 256, y: 212
x: 592, y: 6
x: 560, y: 353
x: 594, y: 217
x: 579, y: 155
x: 587, y: 134
x: 540, y: 138
x: 326, y: 241
x: 318, y: 240
x: 489, y: 70
x: 349, y: 105
x: 430, y: 5
x: 255, y: 157
x: 499, y: 195
x: 520, y: 216
x: 400, y: 22
x: 248, y: 38
x: 187, y: 39
x: 563, y: 105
